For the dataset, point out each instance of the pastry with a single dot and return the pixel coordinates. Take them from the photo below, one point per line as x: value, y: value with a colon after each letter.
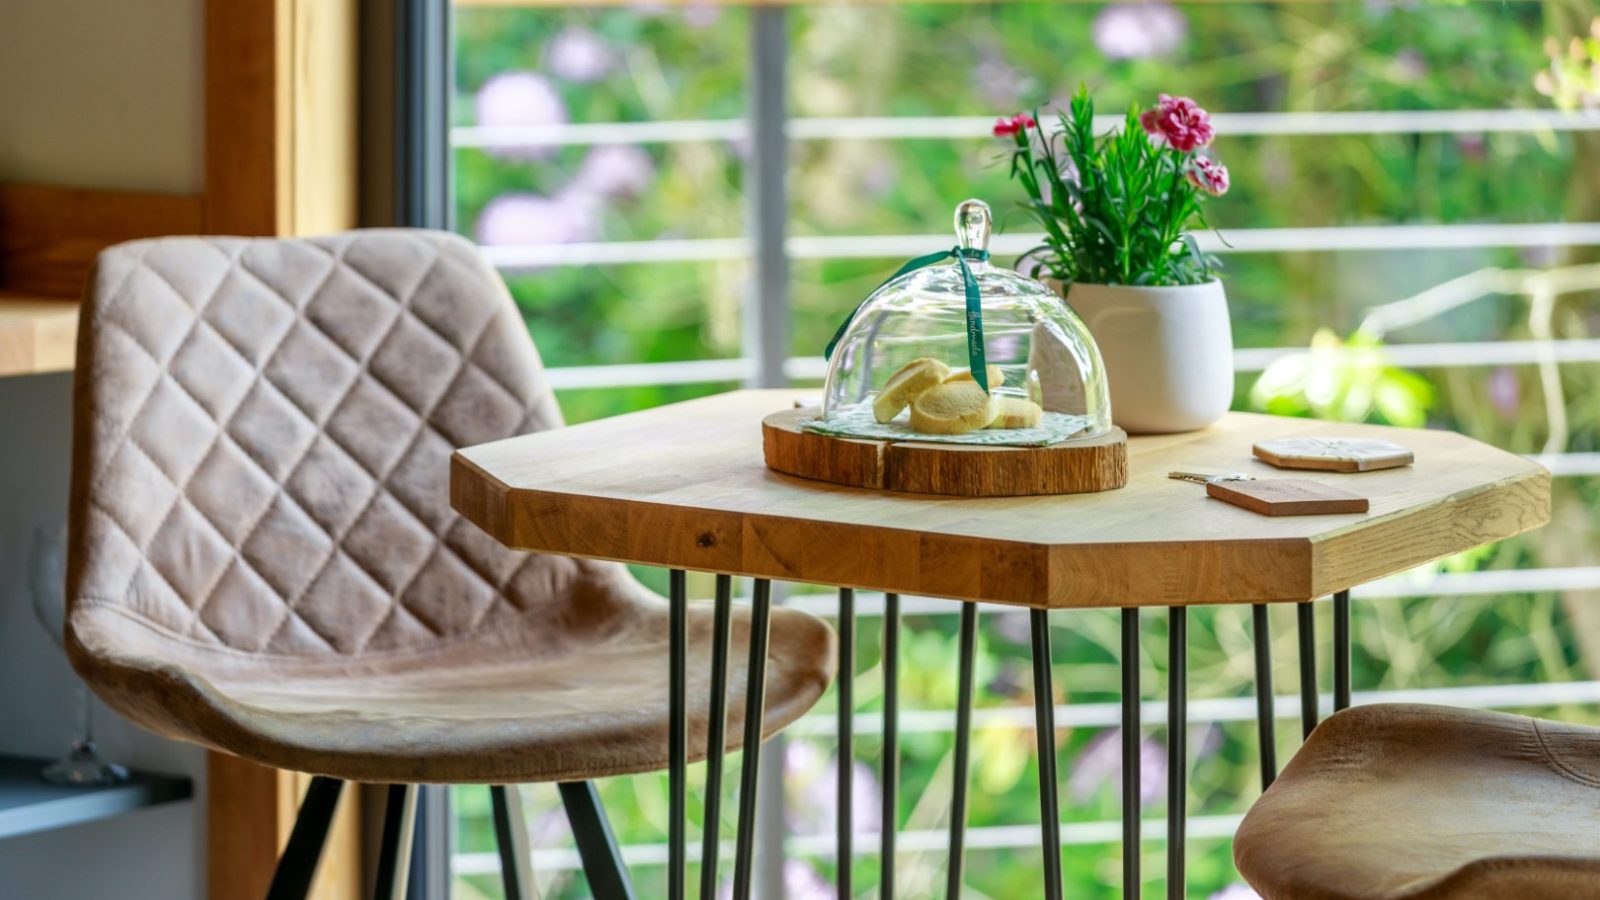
x: 955, y: 407
x: 913, y: 378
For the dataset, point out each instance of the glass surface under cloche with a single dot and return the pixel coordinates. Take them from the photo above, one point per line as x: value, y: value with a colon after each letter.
x: 903, y: 366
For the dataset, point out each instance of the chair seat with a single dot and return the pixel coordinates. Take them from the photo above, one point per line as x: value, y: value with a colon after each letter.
x: 501, y: 707
x: 1414, y: 802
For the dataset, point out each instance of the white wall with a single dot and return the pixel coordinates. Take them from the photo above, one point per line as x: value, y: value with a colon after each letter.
x: 101, y: 94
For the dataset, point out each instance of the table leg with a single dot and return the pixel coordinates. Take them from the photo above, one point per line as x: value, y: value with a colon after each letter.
x: 845, y: 813
x: 1341, y: 650
x: 754, y: 712
x: 1131, y: 758
x: 889, y: 818
x: 1308, y: 667
x: 958, y: 799
x: 716, y: 738
x: 677, y: 733
x: 1044, y: 713
x: 1266, y: 725
x: 1177, y: 749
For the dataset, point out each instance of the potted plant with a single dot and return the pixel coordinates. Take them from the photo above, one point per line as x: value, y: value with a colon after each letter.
x: 1117, y: 210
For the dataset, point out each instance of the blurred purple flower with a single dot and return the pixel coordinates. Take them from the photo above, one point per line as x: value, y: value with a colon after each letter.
x: 519, y: 100
x: 1001, y: 83
x: 1236, y: 892
x: 1410, y: 65
x: 1471, y: 145
x: 578, y: 54
x: 1100, y: 763
x: 1505, y: 392
x: 701, y: 15
x: 616, y: 170
x: 1013, y: 624
x: 813, y: 780
x: 880, y: 178
x: 532, y: 219
x: 1139, y: 30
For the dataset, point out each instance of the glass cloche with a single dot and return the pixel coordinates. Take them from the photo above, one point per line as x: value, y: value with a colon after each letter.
x: 903, y: 366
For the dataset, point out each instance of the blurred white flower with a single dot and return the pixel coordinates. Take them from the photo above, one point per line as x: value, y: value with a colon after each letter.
x: 616, y: 170
x: 578, y: 54
x: 1139, y: 30
x: 701, y: 15
x: 1236, y: 892
x: 1100, y: 763
x: 533, y: 219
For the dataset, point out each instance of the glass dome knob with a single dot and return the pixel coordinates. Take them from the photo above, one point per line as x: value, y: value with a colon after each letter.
x: 973, y: 223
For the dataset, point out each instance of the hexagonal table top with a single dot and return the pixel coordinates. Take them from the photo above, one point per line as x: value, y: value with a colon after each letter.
x: 685, y: 486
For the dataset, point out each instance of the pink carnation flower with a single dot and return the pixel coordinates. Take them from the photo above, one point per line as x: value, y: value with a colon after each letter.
x: 1004, y: 126
x: 1208, y: 175
x: 1179, y: 122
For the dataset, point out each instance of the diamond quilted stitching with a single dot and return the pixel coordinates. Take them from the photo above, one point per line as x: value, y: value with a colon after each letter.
x: 397, y: 274
x: 373, y: 425
x: 401, y: 629
x: 485, y: 555
x: 438, y: 303
x: 116, y: 557
x: 243, y: 610
x: 270, y: 429
x: 476, y: 407
x: 353, y: 312
x: 287, y: 547
x: 251, y: 316
x: 153, y: 598
x: 140, y: 489
x: 191, y: 269
x: 152, y: 312
x: 188, y: 553
x: 416, y: 363
x: 330, y: 486
x: 121, y: 389
x: 211, y: 371
x: 420, y: 480
x: 230, y: 490
x: 313, y: 371
x: 173, y: 430
x: 447, y: 596
x: 389, y: 543
x: 291, y: 269
x: 344, y: 605
x: 294, y: 636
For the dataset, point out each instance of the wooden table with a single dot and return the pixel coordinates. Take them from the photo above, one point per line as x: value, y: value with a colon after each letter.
x: 684, y: 487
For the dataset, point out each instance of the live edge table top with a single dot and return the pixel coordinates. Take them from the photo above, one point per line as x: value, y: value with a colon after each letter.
x: 684, y: 486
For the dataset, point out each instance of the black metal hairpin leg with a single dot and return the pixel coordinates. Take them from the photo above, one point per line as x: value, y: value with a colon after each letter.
x: 958, y: 797
x: 597, y: 846
x: 716, y: 738
x: 1266, y: 725
x: 298, y: 865
x: 394, y: 852
x: 1341, y: 651
x: 677, y: 734
x: 1131, y: 758
x: 890, y: 774
x: 1177, y: 749
x: 754, y: 712
x: 1305, y: 615
x: 845, y: 779
x: 511, y: 839
x: 1044, y: 721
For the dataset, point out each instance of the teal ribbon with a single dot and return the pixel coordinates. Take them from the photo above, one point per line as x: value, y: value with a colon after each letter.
x: 975, y: 355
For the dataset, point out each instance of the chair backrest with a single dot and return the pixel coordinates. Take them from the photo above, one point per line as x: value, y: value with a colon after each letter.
x: 263, y: 430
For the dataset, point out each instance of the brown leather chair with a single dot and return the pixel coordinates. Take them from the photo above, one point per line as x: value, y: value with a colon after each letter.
x: 1412, y: 802
x: 264, y: 560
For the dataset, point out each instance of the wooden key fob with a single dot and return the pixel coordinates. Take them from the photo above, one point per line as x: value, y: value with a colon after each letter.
x: 1277, y: 496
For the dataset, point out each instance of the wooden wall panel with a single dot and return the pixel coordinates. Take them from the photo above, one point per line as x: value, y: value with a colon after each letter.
x: 49, y: 236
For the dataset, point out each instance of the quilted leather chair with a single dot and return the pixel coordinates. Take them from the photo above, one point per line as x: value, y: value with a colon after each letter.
x: 1412, y: 802
x: 264, y: 561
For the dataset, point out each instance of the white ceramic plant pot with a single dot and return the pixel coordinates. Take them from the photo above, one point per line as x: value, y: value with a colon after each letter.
x: 1168, y: 352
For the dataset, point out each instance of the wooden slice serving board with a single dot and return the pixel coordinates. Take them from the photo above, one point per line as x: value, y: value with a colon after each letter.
x: 962, y: 470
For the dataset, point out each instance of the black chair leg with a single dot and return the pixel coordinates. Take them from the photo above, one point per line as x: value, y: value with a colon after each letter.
x: 511, y: 837
x: 602, y: 861
x: 298, y: 864
x: 394, y: 854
